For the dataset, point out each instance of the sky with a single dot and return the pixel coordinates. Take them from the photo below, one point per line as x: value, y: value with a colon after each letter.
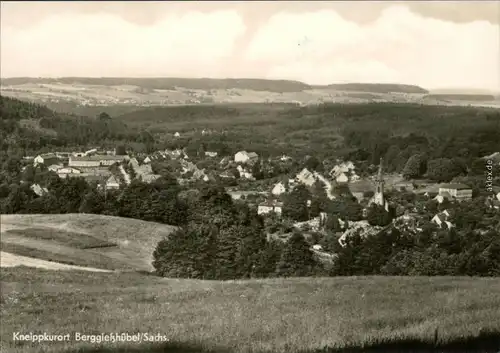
x: 447, y: 44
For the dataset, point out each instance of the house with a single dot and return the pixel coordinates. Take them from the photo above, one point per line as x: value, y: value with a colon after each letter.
x: 344, y: 167
x: 95, y: 161
x: 211, y: 154
x: 177, y: 134
x: 317, y: 247
x: 440, y: 198
x: 457, y: 190
x: 64, y: 172
x: 63, y: 155
x: 285, y: 158
x: 278, y: 189
x: 55, y: 167
x: 47, y: 159
x: 342, y: 178
x: 147, y: 160
x: 306, y: 177
x: 245, y: 157
x: 267, y: 207
x: 38, y: 190
x: 403, y: 186
x: 442, y: 219
x: 112, y: 183
x: 149, y: 178
x: 144, y: 169
x: 134, y: 163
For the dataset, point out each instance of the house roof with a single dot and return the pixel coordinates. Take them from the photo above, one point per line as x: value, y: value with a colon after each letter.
x: 48, y: 155
x: 112, y: 179
x: 457, y: 186
x: 98, y: 158
x: 271, y: 204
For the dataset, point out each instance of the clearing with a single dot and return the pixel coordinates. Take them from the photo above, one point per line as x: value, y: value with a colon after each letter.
x: 104, y: 242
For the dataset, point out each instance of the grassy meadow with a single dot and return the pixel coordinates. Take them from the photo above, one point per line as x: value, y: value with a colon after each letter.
x: 272, y: 315
x: 105, y: 242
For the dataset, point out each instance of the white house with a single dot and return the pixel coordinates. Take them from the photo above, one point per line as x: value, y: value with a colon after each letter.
x: 55, y: 167
x: 342, y: 178
x: 458, y: 191
x: 112, y: 183
x: 210, y: 154
x: 442, y: 219
x: 306, y: 177
x: 147, y: 160
x: 245, y: 157
x: 278, y: 189
x: 440, y: 198
x: 267, y: 207
x: 177, y: 134
x: 317, y: 247
x: 94, y: 161
x: 344, y: 167
x: 38, y: 190
x: 47, y: 159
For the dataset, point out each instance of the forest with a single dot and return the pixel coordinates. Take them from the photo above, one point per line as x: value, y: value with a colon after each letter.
x: 219, y: 238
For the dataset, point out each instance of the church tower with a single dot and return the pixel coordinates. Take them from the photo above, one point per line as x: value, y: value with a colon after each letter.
x: 378, y: 197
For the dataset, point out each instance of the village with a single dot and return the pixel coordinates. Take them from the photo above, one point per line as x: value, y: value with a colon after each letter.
x: 111, y: 171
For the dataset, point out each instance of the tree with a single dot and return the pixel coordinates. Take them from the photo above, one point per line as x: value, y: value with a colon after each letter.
x: 186, y: 253
x: 378, y: 216
x: 415, y: 167
x: 332, y: 223
x: 104, y: 116
x: 297, y: 259
x: 120, y: 150
x: 267, y: 259
x: 295, y: 204
x: 442, y: 169
x: 92, y: 202
x: 319, y: 200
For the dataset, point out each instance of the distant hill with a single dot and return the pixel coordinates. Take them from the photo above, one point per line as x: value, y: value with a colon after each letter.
x: 120, y: 95
x: 171, y: 83
x: 375, y: 88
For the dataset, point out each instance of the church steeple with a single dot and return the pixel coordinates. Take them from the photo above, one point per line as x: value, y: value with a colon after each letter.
x: 378, y: 198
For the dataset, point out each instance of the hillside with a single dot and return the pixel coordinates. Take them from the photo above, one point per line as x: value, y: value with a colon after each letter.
x: 266, y: 316
x: 33, y: 126
x: 103, y: 242
x: 375, y: 88
x: 80, y: 95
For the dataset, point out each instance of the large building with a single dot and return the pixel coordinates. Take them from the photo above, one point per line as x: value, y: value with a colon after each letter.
x: 94, y: 161
x: 457, y: 190
x: 47, y: 159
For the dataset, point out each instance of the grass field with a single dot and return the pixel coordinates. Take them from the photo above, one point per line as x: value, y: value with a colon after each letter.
x: 83, y: 240
x: 274, y: 315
